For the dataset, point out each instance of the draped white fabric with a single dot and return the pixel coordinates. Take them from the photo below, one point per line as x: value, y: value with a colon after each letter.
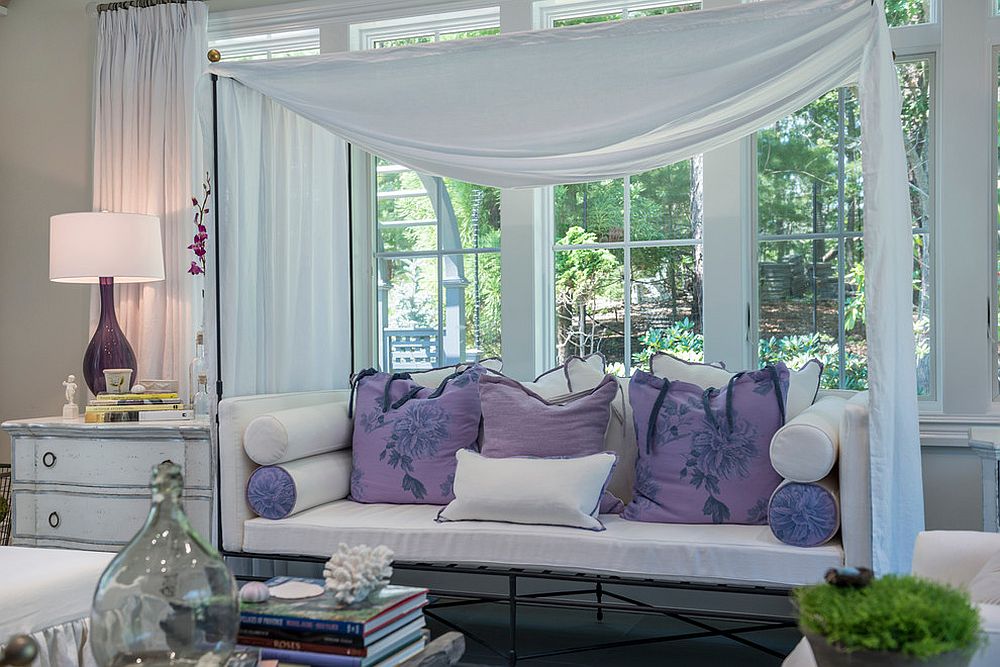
x: 603, y: 101
x: 286, y: 311
x: 149, y: 61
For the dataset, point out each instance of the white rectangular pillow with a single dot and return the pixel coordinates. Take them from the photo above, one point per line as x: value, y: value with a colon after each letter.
x: 541, y: 491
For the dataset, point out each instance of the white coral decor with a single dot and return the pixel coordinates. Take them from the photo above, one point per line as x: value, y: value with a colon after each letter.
x: 354, y: 573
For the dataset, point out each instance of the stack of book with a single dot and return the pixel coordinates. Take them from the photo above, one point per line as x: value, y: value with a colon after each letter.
x: 114, y: 408
x: 382, y: 631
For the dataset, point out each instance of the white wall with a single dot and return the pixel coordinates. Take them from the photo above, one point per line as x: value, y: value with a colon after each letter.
x: 46, y: 63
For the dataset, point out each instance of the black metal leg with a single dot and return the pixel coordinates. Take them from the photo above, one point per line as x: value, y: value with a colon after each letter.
x: 512, y: 603
x: 599, y: 592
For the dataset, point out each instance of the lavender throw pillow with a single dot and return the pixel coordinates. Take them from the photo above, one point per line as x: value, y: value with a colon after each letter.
x: 519, y: 422
x: 406, y: 436
x: 703, y: 453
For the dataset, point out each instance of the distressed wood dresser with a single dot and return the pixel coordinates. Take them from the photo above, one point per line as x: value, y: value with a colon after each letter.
x: 86, y: 486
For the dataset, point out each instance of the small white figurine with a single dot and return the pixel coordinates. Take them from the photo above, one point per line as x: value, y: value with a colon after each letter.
x: 71, y: 410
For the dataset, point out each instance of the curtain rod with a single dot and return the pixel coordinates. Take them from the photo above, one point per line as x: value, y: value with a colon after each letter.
x: 139, y: 4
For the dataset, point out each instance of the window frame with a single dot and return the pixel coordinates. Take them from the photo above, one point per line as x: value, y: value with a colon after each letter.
x: 369, y: 335
x: 841, y: 236
x: 248, y: 47
x: 364, y: 36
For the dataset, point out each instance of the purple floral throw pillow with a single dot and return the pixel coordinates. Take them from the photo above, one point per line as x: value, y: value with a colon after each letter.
x: 703, y: 453
x: 406, y: 435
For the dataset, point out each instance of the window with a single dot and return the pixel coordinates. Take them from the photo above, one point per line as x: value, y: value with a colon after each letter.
x: 437, y: 241
x: 558, y: 15
x: 628, y: 266
x: 628, y: 253
x: 810, y: 213
x: 908, y: 12
x: 269, y: 46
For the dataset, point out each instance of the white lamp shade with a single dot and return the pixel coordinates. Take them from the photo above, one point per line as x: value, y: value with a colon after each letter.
x: 84, y: 247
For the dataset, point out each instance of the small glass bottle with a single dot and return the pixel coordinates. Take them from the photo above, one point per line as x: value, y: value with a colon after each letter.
x: 199, y: 366
x: 201, y: 398
x: 167, y: 598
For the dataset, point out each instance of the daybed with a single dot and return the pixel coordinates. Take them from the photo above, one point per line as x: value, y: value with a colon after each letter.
x: 702, y: 554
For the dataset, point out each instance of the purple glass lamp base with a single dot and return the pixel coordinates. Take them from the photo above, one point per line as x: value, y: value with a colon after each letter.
x: 108, y: 348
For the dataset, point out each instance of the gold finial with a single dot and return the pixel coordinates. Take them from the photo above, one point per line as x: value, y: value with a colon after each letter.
x: 214, y: 56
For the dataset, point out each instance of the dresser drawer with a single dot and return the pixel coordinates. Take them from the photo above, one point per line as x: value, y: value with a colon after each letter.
x: 109, y: 462
x: 92, y: 518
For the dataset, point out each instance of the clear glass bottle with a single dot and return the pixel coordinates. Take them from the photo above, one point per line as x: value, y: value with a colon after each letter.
x: 167, y: 598
x: 199, y: 365
x: 202, y: 400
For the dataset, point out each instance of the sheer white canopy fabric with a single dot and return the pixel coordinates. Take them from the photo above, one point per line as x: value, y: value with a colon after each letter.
x: 284, y: 269
x: 602, y: 101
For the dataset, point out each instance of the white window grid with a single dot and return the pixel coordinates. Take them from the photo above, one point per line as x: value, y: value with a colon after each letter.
x: 626, y: 246
x: 268, y: 46
x: 547, y: 13
x: 369, y: 36
x: 841, y: 235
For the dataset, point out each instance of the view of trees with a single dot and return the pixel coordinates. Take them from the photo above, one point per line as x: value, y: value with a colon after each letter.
x: 638, y: 241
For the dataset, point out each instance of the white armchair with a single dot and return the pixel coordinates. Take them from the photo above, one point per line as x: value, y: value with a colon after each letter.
x: 952, y: 557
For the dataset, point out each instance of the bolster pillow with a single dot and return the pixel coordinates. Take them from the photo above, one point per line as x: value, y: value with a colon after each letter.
x: 275, y: 492
x: 805, y: 514
x: 287, y: 435
x: 806, y: 448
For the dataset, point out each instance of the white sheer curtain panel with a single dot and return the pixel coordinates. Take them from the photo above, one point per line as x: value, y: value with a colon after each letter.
x: 149, y: 61
x: 284, y: 235
x: 523, y: 110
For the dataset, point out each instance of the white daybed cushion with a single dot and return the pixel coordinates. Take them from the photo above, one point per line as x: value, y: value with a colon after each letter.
x: 527, y: 490
x: 287, y: 435
x: 734, y: 554
x: 805, y: 449
x: 40, y: 588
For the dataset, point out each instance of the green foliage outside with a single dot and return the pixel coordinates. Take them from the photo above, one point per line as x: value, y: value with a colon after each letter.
x: 3, y: 509
x: 898, y: 614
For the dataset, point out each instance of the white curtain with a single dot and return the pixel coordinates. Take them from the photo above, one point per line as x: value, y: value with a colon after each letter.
x: 594, y: 102
x: 285, y: 274
x: 149, y: 61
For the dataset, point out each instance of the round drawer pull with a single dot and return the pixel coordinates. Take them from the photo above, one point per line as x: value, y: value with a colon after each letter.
x: 48, y: 459
x: 54, y: 520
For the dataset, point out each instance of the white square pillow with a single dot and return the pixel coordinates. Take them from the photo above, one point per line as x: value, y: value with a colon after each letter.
x: 432, y: 377
x: 527, y: 490
x: 803, y: 384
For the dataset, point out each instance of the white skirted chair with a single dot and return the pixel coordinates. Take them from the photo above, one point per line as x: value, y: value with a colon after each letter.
x: 953, y: 557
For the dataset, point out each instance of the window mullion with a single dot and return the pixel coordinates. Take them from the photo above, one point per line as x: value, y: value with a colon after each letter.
x: 627, y: 274
x: 841, y: 245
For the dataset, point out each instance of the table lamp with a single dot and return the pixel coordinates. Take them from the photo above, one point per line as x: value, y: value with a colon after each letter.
x: 102, y: 248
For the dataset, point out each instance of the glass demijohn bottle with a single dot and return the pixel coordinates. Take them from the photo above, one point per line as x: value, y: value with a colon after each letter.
x: 201, y: 398
x: 167, y: 598
x: 199, y: 366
